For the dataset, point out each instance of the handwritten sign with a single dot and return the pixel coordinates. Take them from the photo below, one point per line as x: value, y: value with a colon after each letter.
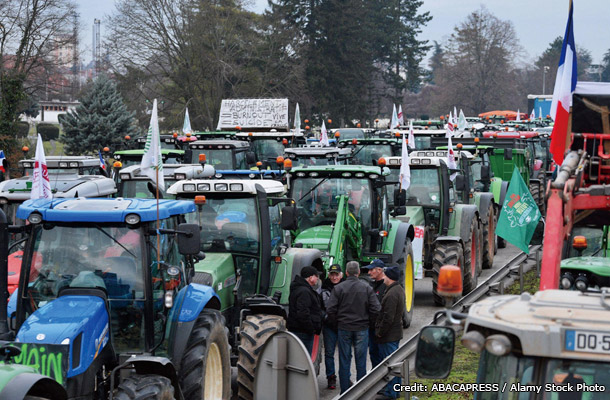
x: 48, y: 359
x: 253, y: 113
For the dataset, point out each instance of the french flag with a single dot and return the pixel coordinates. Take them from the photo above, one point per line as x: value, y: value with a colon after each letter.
x: 565, y: 84
x: 102, y: 162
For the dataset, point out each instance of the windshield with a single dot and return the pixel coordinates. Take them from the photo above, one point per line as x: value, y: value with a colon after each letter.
x: 267, y: 149
x: 218, y: 158
x: 575, y: 373
x: 595, y: 241
x: 317, y: 200
x: 425, y: 187
x: 304, y: 161
x: 138, y: 188
x: 228, y: 225
x: 365, y: 155
x: 351, y: 134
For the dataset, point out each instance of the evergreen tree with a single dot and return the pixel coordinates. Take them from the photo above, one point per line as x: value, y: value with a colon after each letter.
x: 101, y: 119
x: 606, y: 67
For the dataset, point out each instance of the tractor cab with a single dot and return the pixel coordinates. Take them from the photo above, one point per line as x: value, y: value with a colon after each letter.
x: 267, y: 146
x: 368, y: 151
x: 134, y: 184
x: 66, y: 165
x: 103, y: 281
x: 221, y: 154
x: 317, y: 155
x: 350, y: 133
x: 128, y: 158
x: 168, y: 142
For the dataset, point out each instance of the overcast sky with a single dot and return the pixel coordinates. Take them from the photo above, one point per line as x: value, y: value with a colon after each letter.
x: 537, y: 22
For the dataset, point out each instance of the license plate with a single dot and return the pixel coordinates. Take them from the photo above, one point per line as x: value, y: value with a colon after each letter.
x: 587, y: 341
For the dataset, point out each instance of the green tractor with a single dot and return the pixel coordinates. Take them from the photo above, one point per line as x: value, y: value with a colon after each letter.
x: 127, y: 158
x: 268, y: 146
x: 368, y: 151
x: 249, y: 261
x: 222, y: 154
x: 585, y: 265
x: 447, y: 231
x: 317, y: 155
x: 343, y: 211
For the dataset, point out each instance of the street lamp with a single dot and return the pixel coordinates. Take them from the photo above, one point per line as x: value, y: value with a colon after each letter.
x: 545, y: 69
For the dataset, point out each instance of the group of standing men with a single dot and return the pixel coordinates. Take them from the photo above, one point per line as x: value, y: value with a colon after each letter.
x: 352, y: 313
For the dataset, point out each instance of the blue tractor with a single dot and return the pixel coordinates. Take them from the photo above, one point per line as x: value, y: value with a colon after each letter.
x: 106, y: 303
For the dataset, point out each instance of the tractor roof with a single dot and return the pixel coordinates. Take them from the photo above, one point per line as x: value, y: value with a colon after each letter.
x: 140, y: 152
x: 64, y: 162
x: 231, y: 186
x: 62, y: 185
x: 102, y: 210
x: 438, y: 153
x: 134, y: 172
x: 316, y: 151
x: 369, y: 141
x: 335, y: 169
x: 269, y: 135
x: 395, y: 162
x: 219, y: 144
x: 545, y: 323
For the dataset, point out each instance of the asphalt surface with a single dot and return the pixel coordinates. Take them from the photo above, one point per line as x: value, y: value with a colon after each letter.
x: 423, y: 314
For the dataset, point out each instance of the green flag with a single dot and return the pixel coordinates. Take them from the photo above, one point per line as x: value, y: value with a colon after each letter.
x: 519, y: 215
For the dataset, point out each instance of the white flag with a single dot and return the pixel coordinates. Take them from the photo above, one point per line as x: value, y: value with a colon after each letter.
x: 405, y: 169
x: 449, y: 130
x: 186, y: 127
x: 324, y: 135
x: 411, y: 135
x: 455, y: 116
x: 462, y: 123
x: 152, y: 162
x: 401, y: 120
x: 41, y: 187
x: 450, y: 119
x: 297, y: 120
x: 532, y: 115
x: 451, y: 164
x: 518, y: 116
x: 394, y: 123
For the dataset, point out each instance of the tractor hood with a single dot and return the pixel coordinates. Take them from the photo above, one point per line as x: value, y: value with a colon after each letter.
x: 317, y: 237
x: 78, y: 320
x: 414, y: 216
x: 217, y: 270
x: 597, y: 265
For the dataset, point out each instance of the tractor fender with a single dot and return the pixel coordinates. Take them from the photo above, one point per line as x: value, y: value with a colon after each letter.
x: 188, y: 304
x: 503, y: 190
x: 403, y: 231
x: 302, y: 257
x: 466, y: 213
x: 151, y: 365
x: 447, y: 239
x: 32, y: 384
x: 485, y: 200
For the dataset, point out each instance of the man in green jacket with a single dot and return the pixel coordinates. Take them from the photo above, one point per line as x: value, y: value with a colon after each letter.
x: 388, y: 329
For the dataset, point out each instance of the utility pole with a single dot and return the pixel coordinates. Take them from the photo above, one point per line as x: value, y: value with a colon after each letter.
x: 545, y: 69
x: 96, y: 47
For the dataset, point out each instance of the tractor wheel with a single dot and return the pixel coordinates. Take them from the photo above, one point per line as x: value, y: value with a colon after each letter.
x: 489, y: 238
x: 472, y: 259
x: 205, y: 369
x: 408, y: 283
x: 445, y: 253
x: 140, y: 387
x: 254, y: 332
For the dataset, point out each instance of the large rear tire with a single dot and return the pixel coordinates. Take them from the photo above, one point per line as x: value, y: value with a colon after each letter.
x: 408, y: 283
x: 205, y: 369
x: 145, y: 387
x: 472, y: 257
x: 254, y: 332
x: 445, y: 253
x: 489, y: 238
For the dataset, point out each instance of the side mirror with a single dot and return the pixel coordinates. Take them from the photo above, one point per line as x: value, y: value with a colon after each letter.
x: 188, y: 239
x: 250, y: 158
x: 485, y: 175
x: 508, y: 154
x: 460, y: 183
x: 400, y: 198
x: 435, y: 347
x: 188, y: 156
x: 289, y: 218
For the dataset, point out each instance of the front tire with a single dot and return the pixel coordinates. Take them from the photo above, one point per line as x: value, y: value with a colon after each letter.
x: 408, y: 283
x: 254, y: 332
x: 205, y: 369
x: 472, y: 259
x: 489, y: 238
x: 145, y: 387
x: 446, y: 253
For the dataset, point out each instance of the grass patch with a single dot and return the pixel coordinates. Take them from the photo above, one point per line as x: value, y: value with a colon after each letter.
x: 466, y: 362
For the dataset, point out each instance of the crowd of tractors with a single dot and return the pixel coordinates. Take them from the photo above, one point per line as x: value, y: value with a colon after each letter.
x: 115, y: 293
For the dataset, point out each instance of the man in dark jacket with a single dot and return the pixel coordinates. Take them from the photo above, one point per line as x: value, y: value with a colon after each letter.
x: 388, y: 329
x: 304, y: 307
x: 375, y: 269
x: 353, y: 305
x: 335, y: 276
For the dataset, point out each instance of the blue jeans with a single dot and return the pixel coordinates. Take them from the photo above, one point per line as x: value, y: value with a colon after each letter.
x: 374, y: 349
x: 360, y: 341
x: 385, y: 349
x: 330, y: 343
x: 306, y: 338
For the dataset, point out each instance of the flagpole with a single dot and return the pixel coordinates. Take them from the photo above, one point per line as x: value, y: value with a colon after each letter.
x: 158, y: 234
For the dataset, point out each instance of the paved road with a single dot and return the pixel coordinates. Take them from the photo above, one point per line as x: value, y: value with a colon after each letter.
x: 423, y: 314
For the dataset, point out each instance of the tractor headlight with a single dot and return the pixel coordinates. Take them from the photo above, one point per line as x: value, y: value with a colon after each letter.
x: 498, y: 345
x: 581, y: 283
x: 132, y: 219
x: 567, y: 280
x: 35, y: 218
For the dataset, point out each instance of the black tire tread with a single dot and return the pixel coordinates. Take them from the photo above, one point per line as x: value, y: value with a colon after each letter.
x: 145, y: 387
x: 260, y: 327
x: 469, y: 282
x: 445, y: 253
x: 489, y: 247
